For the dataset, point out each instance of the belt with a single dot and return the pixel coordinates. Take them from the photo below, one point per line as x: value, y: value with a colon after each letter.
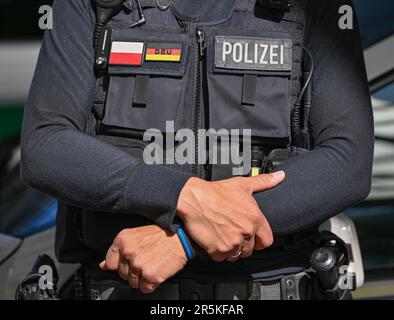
x: 288, y: 287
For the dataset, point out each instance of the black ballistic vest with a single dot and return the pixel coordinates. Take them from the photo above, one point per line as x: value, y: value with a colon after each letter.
x: 232, y: 65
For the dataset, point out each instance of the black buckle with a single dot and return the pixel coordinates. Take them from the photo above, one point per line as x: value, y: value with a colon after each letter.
x: 289, y: 288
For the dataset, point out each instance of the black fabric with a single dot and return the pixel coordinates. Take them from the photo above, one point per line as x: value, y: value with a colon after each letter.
x: 199, y: 11
x: 270, y: 116
x: 61, y: 158
x: 163, y: 93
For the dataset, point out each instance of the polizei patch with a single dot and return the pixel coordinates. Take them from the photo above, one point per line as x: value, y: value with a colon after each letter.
x: 263, y: 54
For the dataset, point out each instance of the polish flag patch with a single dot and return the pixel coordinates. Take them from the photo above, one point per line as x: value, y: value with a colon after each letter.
x: 126, y: 53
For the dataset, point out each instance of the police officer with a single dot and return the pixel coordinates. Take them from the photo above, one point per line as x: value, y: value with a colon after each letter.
x: 236, y: 64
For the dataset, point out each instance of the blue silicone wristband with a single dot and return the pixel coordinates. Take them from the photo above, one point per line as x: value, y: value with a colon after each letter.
x: 185, y: 244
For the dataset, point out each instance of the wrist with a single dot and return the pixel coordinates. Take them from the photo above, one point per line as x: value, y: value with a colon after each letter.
x: 186, y: 198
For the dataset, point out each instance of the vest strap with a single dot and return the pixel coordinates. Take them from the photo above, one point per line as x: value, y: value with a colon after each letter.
x: 140, y: 91
x: 249, y: 89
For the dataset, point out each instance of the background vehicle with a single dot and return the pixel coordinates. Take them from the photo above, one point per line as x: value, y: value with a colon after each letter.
x: 27, y: 217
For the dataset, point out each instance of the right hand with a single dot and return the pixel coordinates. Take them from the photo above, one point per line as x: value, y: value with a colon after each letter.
x: 223, y: 217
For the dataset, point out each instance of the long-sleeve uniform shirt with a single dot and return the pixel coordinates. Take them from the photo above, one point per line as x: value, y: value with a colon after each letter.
x: 61, y: 159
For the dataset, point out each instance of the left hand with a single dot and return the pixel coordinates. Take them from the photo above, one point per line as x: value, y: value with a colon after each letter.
x: 145, y: 256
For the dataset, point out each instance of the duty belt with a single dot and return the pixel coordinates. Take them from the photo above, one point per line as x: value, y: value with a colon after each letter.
x: 288, y: 288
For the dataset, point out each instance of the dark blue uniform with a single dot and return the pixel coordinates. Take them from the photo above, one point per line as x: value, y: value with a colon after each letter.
x: 103, y: 176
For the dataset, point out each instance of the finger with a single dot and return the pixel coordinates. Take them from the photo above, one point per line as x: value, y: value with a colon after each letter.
x: 112, y: 258
x: 235, y: 254
x: 147, y: 287
x: 264, y: 181
x: 247, y: 249
x: 264, y: 236
x: 123, y: 269
x: 218, y: 257
x: 234, y: 257
x: 103, y: 266
x: 134, y: 279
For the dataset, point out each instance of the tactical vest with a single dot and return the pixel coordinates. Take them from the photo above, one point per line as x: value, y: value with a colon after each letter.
x: 238, y: 68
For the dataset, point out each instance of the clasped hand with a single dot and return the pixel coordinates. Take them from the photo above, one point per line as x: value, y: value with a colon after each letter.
x: 222, y: 217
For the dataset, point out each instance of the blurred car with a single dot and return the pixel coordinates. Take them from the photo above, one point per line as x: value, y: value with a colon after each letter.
x: 27, y: 217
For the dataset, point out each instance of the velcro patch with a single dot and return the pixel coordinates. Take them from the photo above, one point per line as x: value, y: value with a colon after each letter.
x: 170, y: 52
x: 263, y: 54
x: 126, y: 53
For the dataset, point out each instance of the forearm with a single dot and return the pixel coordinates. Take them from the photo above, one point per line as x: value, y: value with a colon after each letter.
x: 318, y: 186
x: 88, y: 173
x: 336, y: 174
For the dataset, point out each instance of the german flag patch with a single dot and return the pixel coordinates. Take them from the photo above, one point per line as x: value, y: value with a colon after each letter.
x: 164, y: 52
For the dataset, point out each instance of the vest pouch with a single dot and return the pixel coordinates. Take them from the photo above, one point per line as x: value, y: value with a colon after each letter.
x: 249, y: 83
x: 145, y: 96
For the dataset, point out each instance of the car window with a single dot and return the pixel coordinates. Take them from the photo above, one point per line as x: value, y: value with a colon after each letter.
x: 375, y: 218
x: 375, y: 19
x: 375, y: 225
x: 383, y: 169
x: 23, y: 211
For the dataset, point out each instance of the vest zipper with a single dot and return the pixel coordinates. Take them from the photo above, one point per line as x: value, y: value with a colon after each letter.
x: 199, y: 53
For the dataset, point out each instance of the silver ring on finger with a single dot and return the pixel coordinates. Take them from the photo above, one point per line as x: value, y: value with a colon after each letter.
x: 236, y: 255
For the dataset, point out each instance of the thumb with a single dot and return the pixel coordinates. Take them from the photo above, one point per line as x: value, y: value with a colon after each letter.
x: 264, y: 181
